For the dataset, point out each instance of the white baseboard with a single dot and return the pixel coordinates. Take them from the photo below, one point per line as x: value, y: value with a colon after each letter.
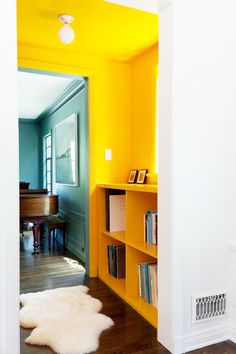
x: 232, y: 334
x: 201, y: 339
x: 232, y: 309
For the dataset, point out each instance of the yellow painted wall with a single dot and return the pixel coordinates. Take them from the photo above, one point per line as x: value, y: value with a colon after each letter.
x: 121, y: 115
x: 143, y: 110
x: 109, y: 117
x: 120, y: 106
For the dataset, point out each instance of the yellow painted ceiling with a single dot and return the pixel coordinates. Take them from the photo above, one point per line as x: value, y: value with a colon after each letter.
x: 103, y: 30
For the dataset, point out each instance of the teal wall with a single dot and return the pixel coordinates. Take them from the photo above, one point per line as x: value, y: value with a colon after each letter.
x: 73, y: 200
x: 29, y: 152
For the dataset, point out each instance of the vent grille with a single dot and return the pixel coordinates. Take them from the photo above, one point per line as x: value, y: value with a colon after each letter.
x: 207, y: 307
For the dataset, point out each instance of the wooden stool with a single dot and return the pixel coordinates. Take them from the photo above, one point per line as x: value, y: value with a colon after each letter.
x: 53, y: 223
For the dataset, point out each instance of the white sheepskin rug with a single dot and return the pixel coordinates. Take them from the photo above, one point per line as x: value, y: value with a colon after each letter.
x: 65, y: 319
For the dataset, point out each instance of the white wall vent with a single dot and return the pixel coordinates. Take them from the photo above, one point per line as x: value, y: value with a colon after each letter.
x: 208, y: 307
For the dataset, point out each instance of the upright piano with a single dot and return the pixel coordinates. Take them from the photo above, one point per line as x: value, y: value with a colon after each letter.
x: 35, y: 206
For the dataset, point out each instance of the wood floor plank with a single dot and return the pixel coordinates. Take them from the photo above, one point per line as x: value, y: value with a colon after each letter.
x: 131, y: 333
x: 221, y: 348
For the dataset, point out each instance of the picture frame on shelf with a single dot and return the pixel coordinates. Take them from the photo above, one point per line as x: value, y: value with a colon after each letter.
x: 132, y: 176
x: 141, y: 176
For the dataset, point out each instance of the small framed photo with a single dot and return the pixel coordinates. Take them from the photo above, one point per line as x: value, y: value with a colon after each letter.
x: 141, y: 176
x: 132, y: 176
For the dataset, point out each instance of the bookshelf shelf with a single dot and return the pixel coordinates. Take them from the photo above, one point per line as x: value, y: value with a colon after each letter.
x: 148, y: 311
x: 117, y: 235
x: 145, y: 247
x: 147, y: 188
x: 117, y: 285
x: 138, y: 200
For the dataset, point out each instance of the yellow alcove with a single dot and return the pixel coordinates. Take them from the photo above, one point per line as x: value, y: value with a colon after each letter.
x: 116, y: 48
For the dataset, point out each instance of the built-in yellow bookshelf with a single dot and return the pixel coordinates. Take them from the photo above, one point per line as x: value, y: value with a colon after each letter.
x: 138, y: 200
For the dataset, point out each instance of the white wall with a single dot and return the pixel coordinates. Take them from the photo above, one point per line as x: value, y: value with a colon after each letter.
x: 232, y: 291
x: 196, y: 165
x: 9, y: 230
x: 202, y: 176
x: 165, y: 191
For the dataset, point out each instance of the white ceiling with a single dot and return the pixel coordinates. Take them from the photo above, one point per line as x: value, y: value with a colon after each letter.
x: 145, y: 5
x: 36, y: 92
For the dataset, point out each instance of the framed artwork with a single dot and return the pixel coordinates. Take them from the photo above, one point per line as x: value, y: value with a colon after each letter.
x: 141, y: 176
x: 132, y: 176
x: 66, y: 151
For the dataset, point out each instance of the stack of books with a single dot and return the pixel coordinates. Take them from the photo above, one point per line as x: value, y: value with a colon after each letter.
x: 150, y: 227
x: 147, y: 273
x: 116, y: 260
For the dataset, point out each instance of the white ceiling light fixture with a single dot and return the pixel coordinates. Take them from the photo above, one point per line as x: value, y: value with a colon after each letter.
x: 66, y: 33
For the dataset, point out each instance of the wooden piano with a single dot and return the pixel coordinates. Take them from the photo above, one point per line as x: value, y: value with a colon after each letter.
x: 35, y: 206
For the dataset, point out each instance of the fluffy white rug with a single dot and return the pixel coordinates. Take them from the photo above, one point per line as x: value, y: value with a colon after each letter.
x: 65, y: 319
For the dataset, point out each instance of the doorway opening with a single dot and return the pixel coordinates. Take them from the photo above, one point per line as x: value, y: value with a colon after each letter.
x: 53, y: 160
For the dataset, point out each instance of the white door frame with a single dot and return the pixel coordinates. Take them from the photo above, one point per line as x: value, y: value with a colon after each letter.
x: 9, y: 185
x: 9, y: 180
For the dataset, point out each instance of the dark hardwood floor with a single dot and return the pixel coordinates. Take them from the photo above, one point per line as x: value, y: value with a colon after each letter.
x: 131, y: 333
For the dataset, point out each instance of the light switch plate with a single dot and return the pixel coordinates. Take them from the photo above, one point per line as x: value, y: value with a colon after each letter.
x: 108, y: 155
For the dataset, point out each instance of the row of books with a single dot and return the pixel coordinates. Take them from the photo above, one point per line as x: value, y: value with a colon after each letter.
x: 116, y: 260
x: 150, y: 227
x: 147, y: 273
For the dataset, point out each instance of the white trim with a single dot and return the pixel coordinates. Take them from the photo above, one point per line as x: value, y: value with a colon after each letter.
x: 147, y: 5
x: 9, y: 186
x: 153, y: 6
x: 166, y: 262
x: 201, y: 339
x: 162, y: 4
x: 45, y: 159
x: 232, y: 334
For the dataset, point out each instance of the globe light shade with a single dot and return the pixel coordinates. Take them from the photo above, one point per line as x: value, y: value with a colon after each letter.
x: 66, y: 34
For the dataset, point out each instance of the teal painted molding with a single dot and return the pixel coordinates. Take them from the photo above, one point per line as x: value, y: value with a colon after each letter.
x: 50, y: 73
x: 73, y: 247
x: 86, y: 176
x: 27, y: 121
x: 75, y: 232
x: 75, y: 87
x: 29, y: 153
x: 73, y: 200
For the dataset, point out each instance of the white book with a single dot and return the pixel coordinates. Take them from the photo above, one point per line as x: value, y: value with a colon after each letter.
x: 117, y: 212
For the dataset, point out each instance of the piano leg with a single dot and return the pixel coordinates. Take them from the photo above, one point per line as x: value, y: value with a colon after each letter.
x: 22, y: 227
x: 36, y: 233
